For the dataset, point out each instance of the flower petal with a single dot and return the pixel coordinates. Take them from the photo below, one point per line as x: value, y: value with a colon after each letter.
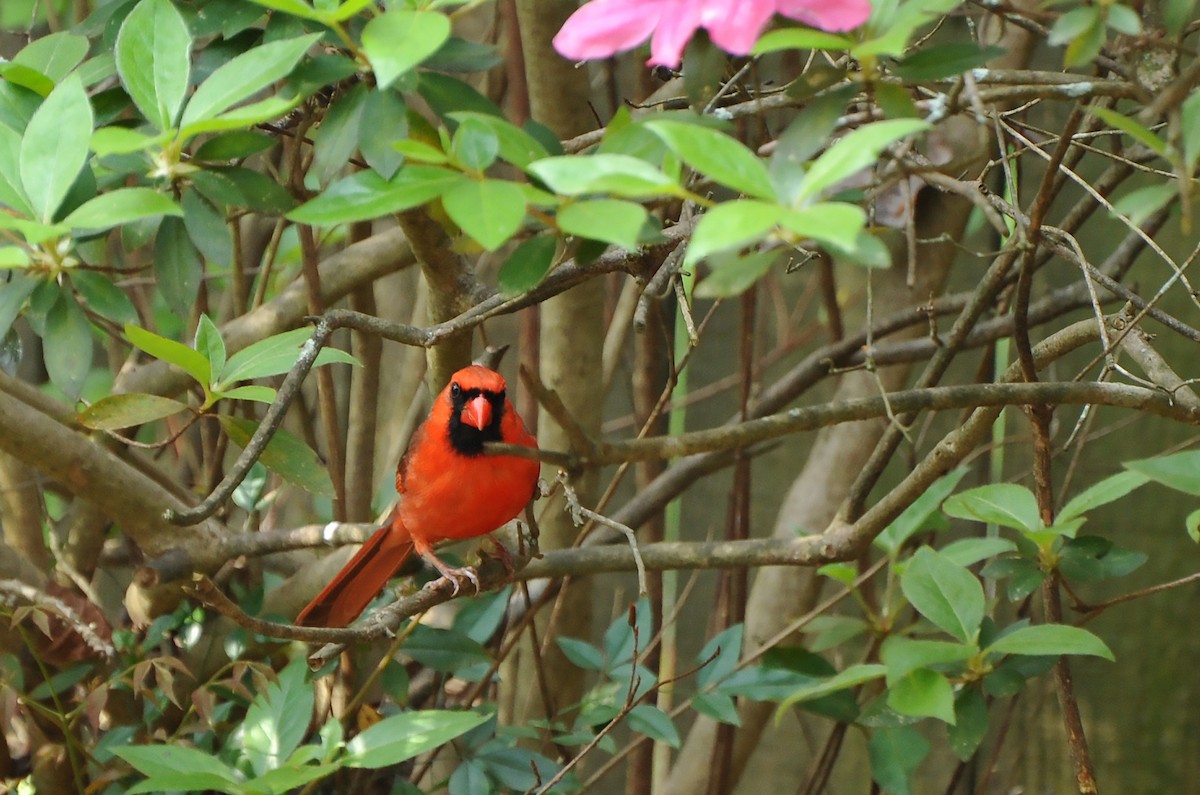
x: 734, y: 25
x: 678, y: 20
x: 604, y: 27
x: 822, y: 14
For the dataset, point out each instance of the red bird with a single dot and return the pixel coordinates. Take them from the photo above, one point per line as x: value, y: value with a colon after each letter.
x: 448, y: 490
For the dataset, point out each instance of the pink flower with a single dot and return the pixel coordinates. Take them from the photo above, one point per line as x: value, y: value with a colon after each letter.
x: 603, y: 27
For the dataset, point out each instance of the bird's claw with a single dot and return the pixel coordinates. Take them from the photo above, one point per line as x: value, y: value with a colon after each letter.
x: 456, y: 578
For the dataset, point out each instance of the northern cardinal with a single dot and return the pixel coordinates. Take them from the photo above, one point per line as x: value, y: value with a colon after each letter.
x: 448, y: 490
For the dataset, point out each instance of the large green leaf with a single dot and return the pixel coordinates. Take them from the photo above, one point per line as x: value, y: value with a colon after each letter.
x: 277, y: 720
x: 904, y: 655
x: 178, y: 767
x: 286, y: 455
x: 923, y: 693
x: 187, y: 359
x: 945, y: 593
x: 716, y: 156
x: 55, y: 147
x: 917, y: 515
x: 67, y: 345
x: 397, y: 41
x: 731, y: 224
x: 12, y: 194
x: 516, y: 146
x: 527, y: 264
x: 851, y: 677
x: 1180, y: 471
x: 275, y: 356
x: 336, y: 139
x: 53, y: 56
x: 243, y: 77
x: 153, y: 52
x: 367, y: 195
x: 1050, y: 639
x: 1108, y: 490
x: 610, y: 220
x: 1005, y: 504
x: 403, y: 736
x: 120, y: 207
x: 489, y: 210
x: 178, y: 268
x: 895, y: 753
x: 835, y: 224
x: 621, y: 175
x: 854, y: 152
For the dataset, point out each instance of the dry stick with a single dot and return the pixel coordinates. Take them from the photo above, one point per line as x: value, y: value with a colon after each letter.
x: 1085, y: 774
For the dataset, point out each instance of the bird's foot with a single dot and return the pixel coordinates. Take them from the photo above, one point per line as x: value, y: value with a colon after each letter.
x: 501, y: 553
x: 456, y: 578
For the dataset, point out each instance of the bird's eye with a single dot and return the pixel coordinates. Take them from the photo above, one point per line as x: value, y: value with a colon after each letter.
x: 455, y: 389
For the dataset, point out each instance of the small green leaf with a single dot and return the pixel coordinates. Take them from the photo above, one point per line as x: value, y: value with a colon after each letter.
x: 403, y: 736
x: 421, y: 152
x: 716, y: 156
x: 277, y: 719
x: 208, y: 229
x: 896, y: 753
x: 241, y: 78
x: 474, y: 145
x: 969, y: 551
x: 490, y: 210
x: 210, y: 344
x: 55, y: 147
x: 177, y: 266
x: 851, y: 677
x: 1180, y: 471
x: 124, y: 410
x: 945, y: 60
x: 720, y: 655
x: 12, y: 194
x: 275, y: 355
x: 516, y: 146
x: 916, y: 516
x: 153, y: 52
x: 527, y: 264
x: 286, y: 455
x: 259, y: 394
x: 717, y: 706
x: 1005, y: 504
x: 799, y: 39
x: 336, y: 139
x: 367, y: 195
x: 854, y: 152
x: 608, y: 220
x: 904, y: 655
x: 178, y: 767
x: 67, y: 345
x: 1123, y: 19
x: 836, y: 224
x: 13, y: 257
x: 1108, y: 490
x: 1193, y: 526
x: 732, y: 274
x: 384, y: 121
x: 945, y: 593
x: 621, y: 175
x: 654, y: 723
x: 1050, y: 639
x: 923, y: 693
x: 1133, y: 129
x: 731, y: 224
x: 187, y: 359
x: 54, y: 55
x: 398, y: 41
x: 121, y: 141
x: 234, y: 145
x: 121, y: 206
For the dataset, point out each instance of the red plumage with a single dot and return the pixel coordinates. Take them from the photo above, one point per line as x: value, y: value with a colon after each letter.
x: 449, y: 489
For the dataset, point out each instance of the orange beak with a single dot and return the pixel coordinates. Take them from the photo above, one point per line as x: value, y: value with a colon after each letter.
x: 477, y: 412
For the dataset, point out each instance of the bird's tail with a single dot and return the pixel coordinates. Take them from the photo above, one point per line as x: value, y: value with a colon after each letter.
x: 349, y: 593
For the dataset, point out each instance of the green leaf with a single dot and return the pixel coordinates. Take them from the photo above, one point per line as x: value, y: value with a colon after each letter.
x: 178, y: 767
x: 516, y: 146
x: 720, y: 656
x: 398, y: 41
x: 608, y: 220
x: 945, y: 593
x: 490, y: 210
x: 800, y: 39
x: 923, y: 693
x: 474, y: 145
x: 296, y: 8
x: 1180, y: 471
x: 153, y: 52
x: 732, y: 273
x: 851, y: 677
x: 655, y: 724
x: 207, y: 228
x: 716, y: 156
x: 970, y: 726
x: 260, y: 394
x: 187, y: 359
x: 26, y: 77
x: 124, y: 410
x: 527, y: 264
x: 1133, y: 129
x: 904, y: 655
x: 1050, y: 639
x: 731, y: 224
x: 286, y: 455
x: 12, y: 194
x: 13, y: 257
x: 241, y: 78
x: 1108, y: 490
x: 384, y: 121
x: 854, y: 152
x: 67, y: 345
x: 234, y: 145
x: 177, y: 266
x: 53, y: 56
x: 1177, y: 14
x: 1123, y: 19
x: 916, y: 516
x: 1096, y: 558
x: 836, y: 224
x: 18, y: 287
x: 1193, y: 526
x: 55, y: 147
x: 445, y: 650
x: 896, y: 753
x: 945, y: 60
x: 120, y: 207
x: 277, y: 720
x: 969, y: 551
x: 121, y: 141
x: 275, y: 355
x: 621, y: 175
x: 1005, y: 504
x: 244, y: 116
x: 336, y: 139
x: 210, y: 344
x: 717, y: 706
x: 367, y: 195
x: 403, y: 736
x: 581, y: 653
